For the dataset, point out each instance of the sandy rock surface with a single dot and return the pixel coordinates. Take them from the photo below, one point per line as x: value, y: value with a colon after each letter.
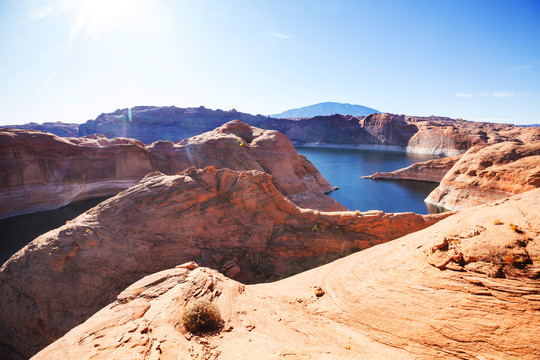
x: 237, y: 222
x: 387, y: 302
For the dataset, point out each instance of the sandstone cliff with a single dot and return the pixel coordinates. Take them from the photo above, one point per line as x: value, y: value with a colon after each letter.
x: 43, y: 171
x: 485, y: 174
x: 430, y: 135
x: 386, y: 302
x: 431, y: 170
x: 234, y: 221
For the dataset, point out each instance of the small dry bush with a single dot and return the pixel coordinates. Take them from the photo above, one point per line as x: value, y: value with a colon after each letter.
x: 201, y: 316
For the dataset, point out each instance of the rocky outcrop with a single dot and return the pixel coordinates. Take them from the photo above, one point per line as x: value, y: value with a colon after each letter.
x: 431, y: 170
x: 429, y: 135
x: 237, y: 222
x: 57, y: 128
x: 386, y: 302
x: 491, y: 173
x: 45, y: 172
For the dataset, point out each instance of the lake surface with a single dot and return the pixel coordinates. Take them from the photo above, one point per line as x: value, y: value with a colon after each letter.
x: 17, y: 231
x: 345, y: 167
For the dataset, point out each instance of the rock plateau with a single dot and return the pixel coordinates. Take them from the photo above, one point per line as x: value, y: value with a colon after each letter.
x: 43, y: 171
x: 424, y: 296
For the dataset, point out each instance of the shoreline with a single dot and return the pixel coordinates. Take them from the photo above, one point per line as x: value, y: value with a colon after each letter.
x: 386, y: 148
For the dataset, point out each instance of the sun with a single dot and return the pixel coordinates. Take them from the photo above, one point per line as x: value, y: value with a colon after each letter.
x: 95, y: 17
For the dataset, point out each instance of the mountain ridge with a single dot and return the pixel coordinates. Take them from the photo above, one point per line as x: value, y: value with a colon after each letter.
x: 325, y: 109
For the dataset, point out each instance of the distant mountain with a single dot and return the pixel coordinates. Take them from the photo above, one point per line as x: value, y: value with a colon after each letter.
x: 57, y: 128
x: 326, y: 108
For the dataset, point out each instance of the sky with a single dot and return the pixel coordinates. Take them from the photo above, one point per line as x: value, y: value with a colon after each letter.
x: 71, y: 60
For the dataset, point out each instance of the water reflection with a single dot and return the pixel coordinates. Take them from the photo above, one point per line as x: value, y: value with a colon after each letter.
x: 17, y: 231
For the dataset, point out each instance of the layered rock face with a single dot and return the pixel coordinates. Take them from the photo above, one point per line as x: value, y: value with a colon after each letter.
x: 153, y: 123
x: 431, y: 170
x: 44, y: 171
x: 234, y: 221
x: 429, y: 135
x: 491, y: 173
x: 392, y: 301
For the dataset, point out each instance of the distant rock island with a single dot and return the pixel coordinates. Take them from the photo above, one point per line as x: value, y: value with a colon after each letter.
x: 326, y: 108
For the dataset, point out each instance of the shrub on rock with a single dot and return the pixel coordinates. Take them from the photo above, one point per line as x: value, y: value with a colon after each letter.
x: 201, y: 316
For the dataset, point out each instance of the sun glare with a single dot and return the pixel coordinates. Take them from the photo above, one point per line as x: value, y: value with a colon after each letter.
x: 97, y: 16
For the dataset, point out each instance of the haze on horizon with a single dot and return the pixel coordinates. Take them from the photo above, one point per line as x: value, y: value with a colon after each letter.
x: 70, y: 60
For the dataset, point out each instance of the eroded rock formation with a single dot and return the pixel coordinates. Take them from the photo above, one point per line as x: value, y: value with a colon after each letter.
x: 386, y: 302
x: 431, y: 170
x: 491, y: 173
x: 234, y: 221
x: 42, y: 171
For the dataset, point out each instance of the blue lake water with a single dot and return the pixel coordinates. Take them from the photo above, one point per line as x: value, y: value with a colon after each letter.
x: 345, y: 167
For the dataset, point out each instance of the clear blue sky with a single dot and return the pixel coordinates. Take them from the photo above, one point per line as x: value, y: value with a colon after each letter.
x: 70, y: 60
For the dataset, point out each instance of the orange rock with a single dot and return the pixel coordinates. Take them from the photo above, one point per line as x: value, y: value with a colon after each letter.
x: 43, y: 171
x: 47, y: 288
x: 386, y: 302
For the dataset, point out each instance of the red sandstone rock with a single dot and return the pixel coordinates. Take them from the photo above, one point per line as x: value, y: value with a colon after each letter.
x: 431, y: 170
x: 64, y: 276
x: 385, y: 302
x: 42, y: 171
x: 491, y: 173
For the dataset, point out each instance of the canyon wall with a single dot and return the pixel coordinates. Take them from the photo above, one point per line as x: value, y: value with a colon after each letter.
x: 235, y: 221
x: 465, y: 288
x: 383, y: 131
x: 43, y: 171
x: 485, y: 174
